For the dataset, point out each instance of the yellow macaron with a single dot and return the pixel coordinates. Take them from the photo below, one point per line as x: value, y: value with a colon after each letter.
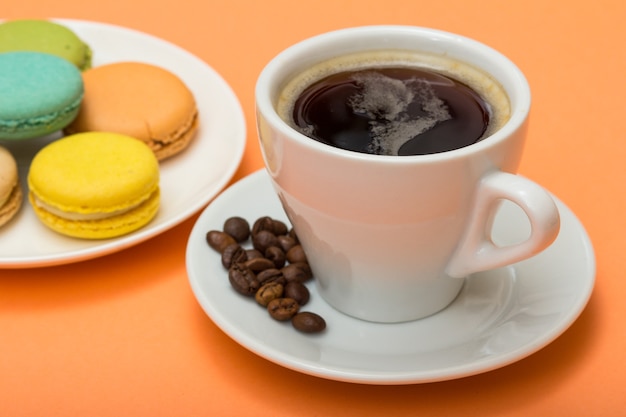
x: 10, y: 190
x: 95, y: 185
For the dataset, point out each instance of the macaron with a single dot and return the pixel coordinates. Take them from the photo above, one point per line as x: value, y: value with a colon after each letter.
x: 94, y: 185
x: 39, y: 94
x: 140, y: 100
x: 45, y: 36
x: 10, y: 190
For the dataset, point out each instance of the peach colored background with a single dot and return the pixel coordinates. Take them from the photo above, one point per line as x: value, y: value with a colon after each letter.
x: 123, y: 335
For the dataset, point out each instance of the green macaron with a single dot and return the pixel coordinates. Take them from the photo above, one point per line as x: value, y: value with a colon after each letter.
x: 39, y: 94
x: 45, y: 36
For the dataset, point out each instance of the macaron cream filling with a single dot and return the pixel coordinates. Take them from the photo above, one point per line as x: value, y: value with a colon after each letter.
x: 78, y: 216
x: 7, y: 188
x: 37, y: 122
x: 187, y: 128
x: 6, y: 197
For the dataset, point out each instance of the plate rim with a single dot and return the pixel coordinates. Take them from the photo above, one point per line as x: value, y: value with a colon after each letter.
x: 109, y: 246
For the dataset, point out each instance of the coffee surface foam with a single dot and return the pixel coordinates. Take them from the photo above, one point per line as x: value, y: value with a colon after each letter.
x: 388, y: 98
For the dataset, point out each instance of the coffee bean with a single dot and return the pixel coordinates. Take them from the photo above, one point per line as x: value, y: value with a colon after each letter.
x: 243, y: 280
x: 269, y: 292
x: 259, y: 264
x: 298, y: 291
x: 296, y: 254
x: 263, y: 240
x: 283, y: 309
x: 238, y: 228
x: 279, y: 228
x: 300, y: 272
x: 273, y: 271
x: 233, y: 253
x: 292, y: 234
x: 269, y: 275
x: 253, y: 253
x: 263, y: 223
x: 219, y: 240
x: 276, y: 255
x: 308, y: 322
x: 286, y: 242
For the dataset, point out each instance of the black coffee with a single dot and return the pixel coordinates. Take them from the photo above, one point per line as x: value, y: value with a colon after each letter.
x: 392, y: 111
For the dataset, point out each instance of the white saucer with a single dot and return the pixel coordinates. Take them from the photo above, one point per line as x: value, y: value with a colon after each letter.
x: 188, y: 180
x: 500, y: 316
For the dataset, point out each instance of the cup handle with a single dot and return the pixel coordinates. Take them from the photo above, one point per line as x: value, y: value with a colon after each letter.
x: 477, y: 251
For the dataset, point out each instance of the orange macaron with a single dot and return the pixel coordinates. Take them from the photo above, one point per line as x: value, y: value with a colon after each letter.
x: 140, y: 100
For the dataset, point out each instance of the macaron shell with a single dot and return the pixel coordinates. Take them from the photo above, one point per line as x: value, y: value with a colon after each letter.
x: 94, y: 172
x: 10, y: 190
x: 45, y: 36
x: 8, y: 174
x: 39, y: 94
x: 140, y: 100
x: 105, y: 228
x: 11, y: 206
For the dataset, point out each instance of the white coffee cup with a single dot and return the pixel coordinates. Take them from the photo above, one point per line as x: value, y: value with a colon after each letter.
x: 391, y: 238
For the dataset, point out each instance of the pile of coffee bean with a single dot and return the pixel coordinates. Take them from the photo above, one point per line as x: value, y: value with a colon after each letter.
x: 273, y: 272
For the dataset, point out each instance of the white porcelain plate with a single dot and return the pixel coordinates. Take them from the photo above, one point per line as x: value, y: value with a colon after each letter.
x: 499, y: 317
x: 188, y: 180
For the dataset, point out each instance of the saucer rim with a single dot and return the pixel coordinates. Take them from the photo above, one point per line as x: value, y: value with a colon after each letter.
x: 364, y: 376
